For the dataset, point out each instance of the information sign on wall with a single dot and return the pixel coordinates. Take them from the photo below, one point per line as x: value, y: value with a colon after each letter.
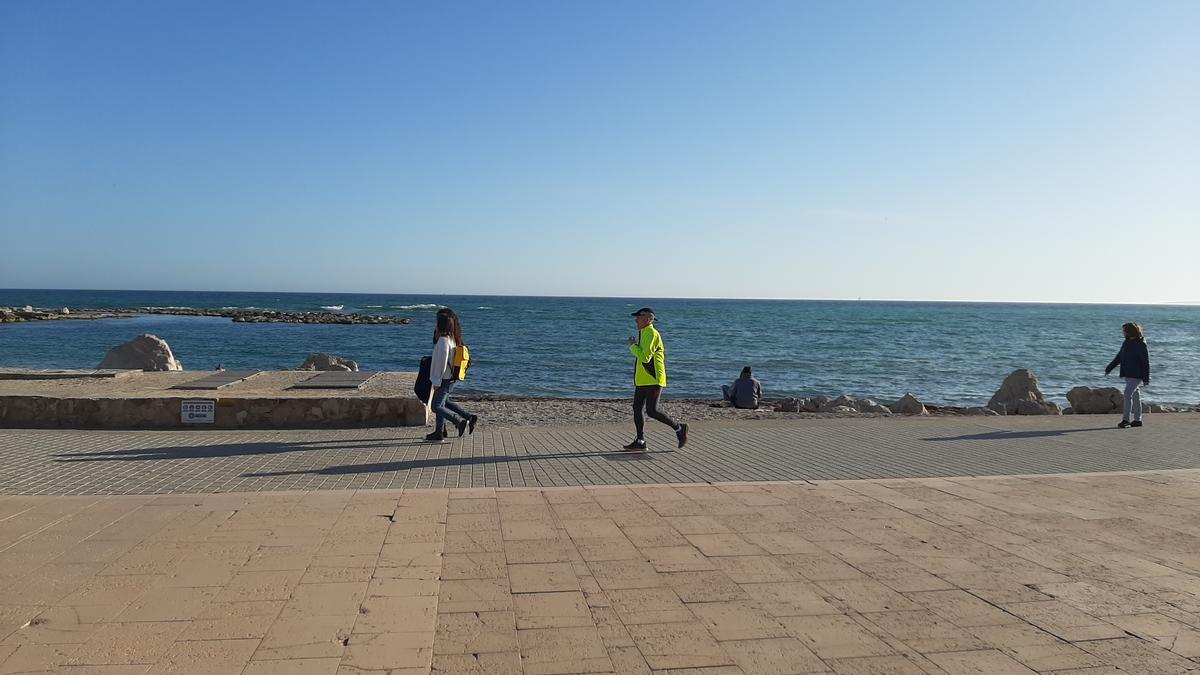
x: 198, y: 411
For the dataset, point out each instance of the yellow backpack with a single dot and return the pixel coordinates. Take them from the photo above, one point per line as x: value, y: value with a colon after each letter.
x: 460, y: 362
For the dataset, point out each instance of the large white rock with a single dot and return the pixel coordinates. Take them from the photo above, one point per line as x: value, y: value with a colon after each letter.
x: 1099, y: 401
x: 328, y: 362
x: 145, y: 352
x: 908, y: 405
x: 1020, y: 385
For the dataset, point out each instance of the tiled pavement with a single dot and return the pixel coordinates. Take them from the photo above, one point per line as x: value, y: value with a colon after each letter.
x: 1094, y: 574
x: 1068, y: 574
x: 150, y: 462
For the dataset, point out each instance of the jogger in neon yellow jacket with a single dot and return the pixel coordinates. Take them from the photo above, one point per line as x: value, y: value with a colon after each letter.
x: 651, y: 358
x: 649, y: 378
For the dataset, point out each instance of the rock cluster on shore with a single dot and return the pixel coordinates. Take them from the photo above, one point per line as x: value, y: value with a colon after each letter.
x: 1019, y: 394
x: 27, y: 313
x: 328, y: 362
x: 844, y: 405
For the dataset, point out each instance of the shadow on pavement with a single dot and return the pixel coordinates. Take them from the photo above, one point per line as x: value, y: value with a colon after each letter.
x: 217, y: 451
x: 409, y: 464
x: 1008, y: 435
x: 246, y: 449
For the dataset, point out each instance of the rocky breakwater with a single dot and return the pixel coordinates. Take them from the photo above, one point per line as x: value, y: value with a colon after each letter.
x: 27, y: 313
x: 274, y: 316
x: 849, y: 405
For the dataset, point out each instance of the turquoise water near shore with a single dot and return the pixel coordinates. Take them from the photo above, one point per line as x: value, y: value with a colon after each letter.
x: 950, y: 353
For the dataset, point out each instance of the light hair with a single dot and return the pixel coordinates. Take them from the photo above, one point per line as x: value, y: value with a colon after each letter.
x: 1133, y: 331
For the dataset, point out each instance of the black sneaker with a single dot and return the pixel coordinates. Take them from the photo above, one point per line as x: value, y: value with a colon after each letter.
x: 637, y: 445
x: 471, y: 421
x: 682, y: 435
x: 435, y: 436
x: 1135, y: 423
x: 462, y: 427
x: 1124, y: 424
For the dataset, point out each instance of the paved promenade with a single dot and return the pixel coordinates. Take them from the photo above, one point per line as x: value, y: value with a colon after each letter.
x: 146, y: 462
x: 1070, y: 574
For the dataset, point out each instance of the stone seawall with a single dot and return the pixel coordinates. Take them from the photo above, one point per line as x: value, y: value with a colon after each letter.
x: 48, y: 412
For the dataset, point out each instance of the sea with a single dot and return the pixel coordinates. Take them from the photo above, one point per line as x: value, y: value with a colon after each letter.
x: 950, y: 353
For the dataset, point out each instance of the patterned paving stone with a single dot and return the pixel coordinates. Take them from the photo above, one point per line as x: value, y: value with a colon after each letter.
x: 1062, y: 573
x: 157, y: 462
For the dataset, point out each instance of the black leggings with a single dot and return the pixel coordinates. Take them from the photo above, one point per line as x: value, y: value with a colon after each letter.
x: 647, y: 396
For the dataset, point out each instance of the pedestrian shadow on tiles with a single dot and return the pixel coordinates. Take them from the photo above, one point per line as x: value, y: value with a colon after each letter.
x: 435, y: 462
x: 1012, y: 435
x: 219, y: 451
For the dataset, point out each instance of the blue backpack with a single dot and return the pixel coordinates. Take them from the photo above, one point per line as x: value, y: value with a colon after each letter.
x: 423, y: 386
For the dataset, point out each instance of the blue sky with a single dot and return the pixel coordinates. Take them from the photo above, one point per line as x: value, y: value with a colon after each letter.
x: 1043, y: 151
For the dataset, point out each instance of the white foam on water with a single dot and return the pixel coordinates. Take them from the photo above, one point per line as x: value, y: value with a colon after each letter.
x: 332, y: 307
x: 427, y: 306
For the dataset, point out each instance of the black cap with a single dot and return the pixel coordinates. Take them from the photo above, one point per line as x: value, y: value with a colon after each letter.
x: 644, y: 311
x: 746, y: 370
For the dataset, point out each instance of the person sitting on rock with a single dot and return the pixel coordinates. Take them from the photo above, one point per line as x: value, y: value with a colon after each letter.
x: 745, y: 392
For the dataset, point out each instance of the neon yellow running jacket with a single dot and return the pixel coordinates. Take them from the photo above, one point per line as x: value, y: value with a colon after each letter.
x: 651, y: 367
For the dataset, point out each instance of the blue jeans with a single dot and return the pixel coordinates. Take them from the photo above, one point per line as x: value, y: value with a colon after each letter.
x: 1133, y: 399
x: 445, y: 408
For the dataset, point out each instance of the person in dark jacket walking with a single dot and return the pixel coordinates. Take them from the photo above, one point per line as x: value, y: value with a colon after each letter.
x: 1134, y: 360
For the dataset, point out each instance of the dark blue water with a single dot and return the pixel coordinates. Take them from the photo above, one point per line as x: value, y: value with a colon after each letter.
x: 954, y: 353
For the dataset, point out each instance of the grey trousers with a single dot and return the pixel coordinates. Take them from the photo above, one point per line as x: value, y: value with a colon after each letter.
x: 1133, y: 399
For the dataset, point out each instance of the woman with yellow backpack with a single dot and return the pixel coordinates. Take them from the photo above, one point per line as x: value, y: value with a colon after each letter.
x: 447, y: 366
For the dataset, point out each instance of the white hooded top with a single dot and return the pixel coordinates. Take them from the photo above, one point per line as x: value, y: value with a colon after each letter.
x: 439, y: 364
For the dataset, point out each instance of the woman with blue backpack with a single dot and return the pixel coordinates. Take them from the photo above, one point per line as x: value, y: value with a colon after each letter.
x: 446, y: 367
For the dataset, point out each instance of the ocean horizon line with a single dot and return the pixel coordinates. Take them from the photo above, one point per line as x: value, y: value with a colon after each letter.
x: 627, y: 297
